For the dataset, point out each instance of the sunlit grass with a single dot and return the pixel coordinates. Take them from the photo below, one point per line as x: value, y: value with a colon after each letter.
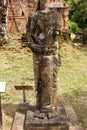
x: 73, y: 79
x: 16, y: 67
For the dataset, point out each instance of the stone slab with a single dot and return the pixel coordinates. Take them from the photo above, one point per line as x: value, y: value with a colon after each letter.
x: 66, y: 120
x: 47, y: 128
x: 71, y: 116
x: 75, y: 128
x: 73, y: 122
x: 18, y: 122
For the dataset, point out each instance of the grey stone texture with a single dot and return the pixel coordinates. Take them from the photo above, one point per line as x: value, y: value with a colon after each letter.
x: 43, y: 28
x: 63, y: 118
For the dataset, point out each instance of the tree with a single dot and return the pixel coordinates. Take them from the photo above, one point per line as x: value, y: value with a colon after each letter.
x: 78, y: 13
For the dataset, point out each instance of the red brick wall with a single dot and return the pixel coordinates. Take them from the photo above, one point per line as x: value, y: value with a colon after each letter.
x: 0, y: 2
x: 18, y: 12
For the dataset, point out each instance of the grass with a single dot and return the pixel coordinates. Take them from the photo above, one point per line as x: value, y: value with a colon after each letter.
x: 73, y: 79
x: 16, y: 67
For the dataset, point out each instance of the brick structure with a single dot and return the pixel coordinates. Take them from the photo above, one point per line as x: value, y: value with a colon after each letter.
x: 3, y: 13
x: 63, y: 9
x: 19, y: 10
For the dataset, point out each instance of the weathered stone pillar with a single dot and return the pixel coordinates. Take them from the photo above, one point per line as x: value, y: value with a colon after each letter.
x: 42, y: 30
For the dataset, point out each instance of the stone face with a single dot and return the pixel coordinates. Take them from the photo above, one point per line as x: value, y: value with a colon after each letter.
x: 42, y: 28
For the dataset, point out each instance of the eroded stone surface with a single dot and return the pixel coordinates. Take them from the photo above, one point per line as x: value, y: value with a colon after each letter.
x: 64, y: 119
x: 18, y: 123
x: 42, y: 39
x: 33, y: 121
x: 55, y: 120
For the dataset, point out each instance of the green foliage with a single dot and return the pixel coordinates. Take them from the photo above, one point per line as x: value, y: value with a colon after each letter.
x: 65, y: 1
x: 16, y: 67
x: 73, y: 26
x: 44, y: 1
x: 78, y: 13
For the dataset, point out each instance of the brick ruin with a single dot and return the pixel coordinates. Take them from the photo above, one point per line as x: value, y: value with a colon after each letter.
x: 19, y: 10
x: 3, y: 14
x: 17, y: 14
x: 63, y: 9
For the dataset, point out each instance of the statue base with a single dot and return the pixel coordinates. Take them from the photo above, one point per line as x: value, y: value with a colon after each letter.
x: 63, y: 118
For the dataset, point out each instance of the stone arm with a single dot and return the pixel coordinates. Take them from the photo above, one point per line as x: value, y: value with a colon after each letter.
x: 34, y: 42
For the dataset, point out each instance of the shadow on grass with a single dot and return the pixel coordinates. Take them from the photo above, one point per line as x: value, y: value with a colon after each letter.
x: 78, y: 99
x: 10, y: 109
x: 80, y: 46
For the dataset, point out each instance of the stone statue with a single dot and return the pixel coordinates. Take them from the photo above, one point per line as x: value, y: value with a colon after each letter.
x: 42, y: 31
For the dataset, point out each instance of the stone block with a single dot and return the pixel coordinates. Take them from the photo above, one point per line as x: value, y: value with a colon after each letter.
x: 47, y: 128
x: 66, y: 120
x: 75, y: 128
x: 18, y: 123
x: 55, y: 120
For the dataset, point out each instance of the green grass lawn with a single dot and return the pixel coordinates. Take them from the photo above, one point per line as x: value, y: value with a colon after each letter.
x: 73, y: 79
x: 16, y: 67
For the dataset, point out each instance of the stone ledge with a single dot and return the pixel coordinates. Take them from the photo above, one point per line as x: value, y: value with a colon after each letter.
x: 73, y: 122
x: 18, y: 122
x: 66, y: 120
x: 75, y: 128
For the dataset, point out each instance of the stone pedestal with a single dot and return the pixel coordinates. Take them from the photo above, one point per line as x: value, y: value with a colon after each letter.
x: 63, y: 118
